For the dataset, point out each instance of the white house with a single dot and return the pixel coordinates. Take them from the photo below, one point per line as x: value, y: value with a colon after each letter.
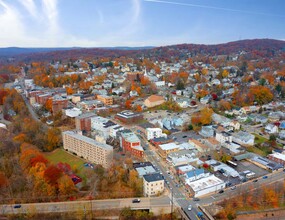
x: 153, y: 184
x: 243, y: 138
x: 223, y: 137
x: 195, y: 175
x: 235, y: 124
x: 271, y: 129
x: 152, y: 133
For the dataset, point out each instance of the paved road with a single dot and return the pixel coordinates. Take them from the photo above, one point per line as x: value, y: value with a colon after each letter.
x: 244, y: 187
x: 145, y: 203
x: 176, y: 193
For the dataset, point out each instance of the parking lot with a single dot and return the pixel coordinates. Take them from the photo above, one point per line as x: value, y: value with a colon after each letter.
x: 182, y: 137
x: 246, y: 165
x: 242, y: 166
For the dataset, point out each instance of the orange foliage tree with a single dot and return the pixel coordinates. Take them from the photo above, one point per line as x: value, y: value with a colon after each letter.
x: 261, y: 94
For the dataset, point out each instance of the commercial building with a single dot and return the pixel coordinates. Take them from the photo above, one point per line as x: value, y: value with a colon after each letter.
x: 83, y: 122
x: 205, y: 186
x: 165, y: 149
x: 153, y: 184
x: 278, y: 158
x: 58, y: 103
x: 154, y: 100
x: 128, y: 117
x: 131, y: 143
x: 88, y: 148
x: 107, y: 100
x: 161, y: 140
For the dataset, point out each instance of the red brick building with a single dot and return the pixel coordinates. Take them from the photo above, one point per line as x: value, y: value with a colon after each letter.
x: 161, y: 140
x: 134, y: 76
x: 131, y: 143
x: 83, y: 122
x: 58, y: 104
x: 42, y: 98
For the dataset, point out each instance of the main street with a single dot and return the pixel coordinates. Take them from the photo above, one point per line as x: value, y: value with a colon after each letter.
x: 271, y: 179
x: 177, y: 193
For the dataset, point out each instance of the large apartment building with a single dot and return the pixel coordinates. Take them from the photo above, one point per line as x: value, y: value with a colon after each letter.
x: 89, y: 149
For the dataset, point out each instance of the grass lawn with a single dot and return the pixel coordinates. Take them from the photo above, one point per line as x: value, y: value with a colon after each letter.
x: 60, y: 155
x: 257, y: 151
x: 259, y: 139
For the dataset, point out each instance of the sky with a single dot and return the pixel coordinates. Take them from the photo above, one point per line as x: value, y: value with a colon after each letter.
x: 108, y: 23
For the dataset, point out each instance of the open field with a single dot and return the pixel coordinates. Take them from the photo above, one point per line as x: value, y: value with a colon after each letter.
x: 60, y: 155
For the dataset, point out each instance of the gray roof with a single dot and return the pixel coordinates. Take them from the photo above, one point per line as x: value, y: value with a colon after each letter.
x: 153, y: 177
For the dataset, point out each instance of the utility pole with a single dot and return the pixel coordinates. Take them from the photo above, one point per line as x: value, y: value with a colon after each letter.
x: 171, y: 203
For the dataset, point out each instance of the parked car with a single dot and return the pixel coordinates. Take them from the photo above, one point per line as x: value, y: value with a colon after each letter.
x: 189, y: 207
x: 221, y: 191
x: 264, y: 177
x: 17, y: 206
x: 136, y: 200
x: 196, y: 199
x: 233, y: 187
x: 255, y: 181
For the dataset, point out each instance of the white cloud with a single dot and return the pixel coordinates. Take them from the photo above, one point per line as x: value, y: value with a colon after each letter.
x: 30, y: 7
x: 45, y: 29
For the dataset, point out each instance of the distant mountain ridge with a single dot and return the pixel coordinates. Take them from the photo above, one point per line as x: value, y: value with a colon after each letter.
x: 265, y: 47
x: 13, y: 51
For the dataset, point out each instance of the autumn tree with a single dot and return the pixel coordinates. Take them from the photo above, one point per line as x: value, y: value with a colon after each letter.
x: 224, y: 105
x: 52, y: 174
x: 261, y: 94
x: 69, y: 90
x: 53, y: 139
x: 66, y: 186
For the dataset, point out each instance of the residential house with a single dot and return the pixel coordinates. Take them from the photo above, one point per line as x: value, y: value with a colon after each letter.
x: 235, y: 124
x: 274, y: 116
x: 183, y: 102
x: 223, y: 137
x: 206, y: 99
x: 133, y: 93
x: 153, y: 184
x: 271, y: 129
x: 195, y: 175
x: 260, y: 119
x: 243, y: 138
x: 152, y: 133
x: 199, y: 145
x: 207, y: 131
x: 282, y: 134
x: 182, y: 169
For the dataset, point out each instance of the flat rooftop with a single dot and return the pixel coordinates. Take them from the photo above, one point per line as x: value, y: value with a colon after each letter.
x: 88, y: 140
x: 205, y: 183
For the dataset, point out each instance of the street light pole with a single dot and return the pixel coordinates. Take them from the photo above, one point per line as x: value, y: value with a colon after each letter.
x: 171, y: 203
